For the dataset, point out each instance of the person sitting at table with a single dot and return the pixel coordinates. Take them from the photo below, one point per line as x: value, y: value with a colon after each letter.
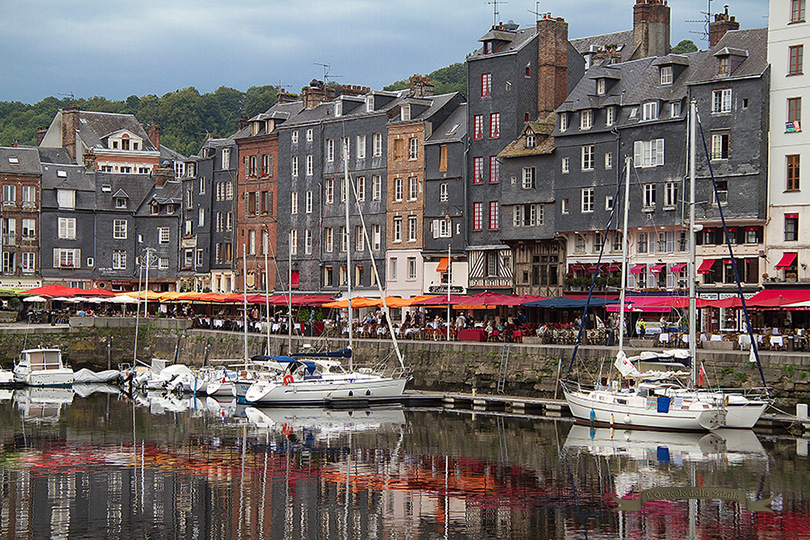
x: 489, y: 330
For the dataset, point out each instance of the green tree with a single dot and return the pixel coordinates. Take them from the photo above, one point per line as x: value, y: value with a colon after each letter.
x: 685, y: 46
x: 452, y: 78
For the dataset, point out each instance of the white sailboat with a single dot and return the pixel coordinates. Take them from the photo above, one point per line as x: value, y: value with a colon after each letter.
x: 662, y: 400
x: 315, y: 378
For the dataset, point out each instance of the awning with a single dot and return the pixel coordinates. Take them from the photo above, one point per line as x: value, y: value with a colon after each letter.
x: 612, y: 268
x: 705, y: 266
x: 576, y: 267
x: 658, y: 268
x: 637, y: 269
x: 677, y: 268
x: 786, y: 261
x: 443, y: 263
x: 778, y: 297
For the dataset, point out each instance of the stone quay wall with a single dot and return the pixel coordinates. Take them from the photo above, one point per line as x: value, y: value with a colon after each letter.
x: 531, y: 369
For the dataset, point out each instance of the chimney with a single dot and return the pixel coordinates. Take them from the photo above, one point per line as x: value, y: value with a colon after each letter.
x: 242, y: 123
x: 650, y: 28
x: 421, y: 87
x: 722, y: 23
x: 284, y: 97
x: 41, y: 131
x: 314, y: 94
x: 153, y: 130
x: 70, y: 123
x: 552, y: 64
x: 163, y: 174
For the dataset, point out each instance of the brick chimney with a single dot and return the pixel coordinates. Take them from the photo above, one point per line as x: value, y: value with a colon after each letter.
x: 421, y: 87
x: 284, y: 97
x: 162, y: 175
x: 314, y: 94
x: 722, y: 23
x: 41, y: 131
x: 153, y: 130
x: 650, y: 28
x: 552, y: 64
x: 242, y: 123
x: 353, y: 90
x: 70, y: 123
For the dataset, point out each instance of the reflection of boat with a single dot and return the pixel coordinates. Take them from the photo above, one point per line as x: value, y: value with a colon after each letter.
x: 323, y: 423
x: 84, y: 390
x: 42, y: 367
x: 42, y: 404
x: 666, y: 446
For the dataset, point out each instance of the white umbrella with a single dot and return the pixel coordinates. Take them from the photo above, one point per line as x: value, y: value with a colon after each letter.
x: 96, y: 300
x: 66, y: 299
x: 123, y: 299
x: 35, y: 299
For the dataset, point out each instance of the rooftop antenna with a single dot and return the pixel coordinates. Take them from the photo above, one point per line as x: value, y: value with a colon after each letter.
x: 326, y: 74
x: 72, y: 97
x: 705, y: 33
x: 536, y: 11
x: 494, y: 4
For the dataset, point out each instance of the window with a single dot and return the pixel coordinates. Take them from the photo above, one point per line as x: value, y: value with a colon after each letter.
x: 345, y: 147
x: 587, y: 199
x: 120, y: 229
x: 649, y: 110
x: 721, y: 101
x: 361, y: 147
x: 65, y: 198
x: 564, y: 206
x: 377, y: 144
x: 793, y: 174
x: 359, y: 240
x: 601, y: 86
x: 398, y: 189
x: 608, y: 160
x: 9, y: 195
x: 526, y: 215
x: 675, y: 109
x: 309, y: 165
x: 791, y: 227
x: 563, y: 122
x: 308, y: 135
x: 794, y: 109
x: 796, y: 11
x: 478, y: 170
x: 360, y: 184
x: 528, y: 178
x: 670, y: 194
x: 413, y: 188
x: 307, y: 241
x: 411, y: 268
x: 199, y: 258
x: 29, y: 195
x: 586, y: 119
x: 294, y: 241
x: 188, y: 258
x: 494, y: 125
x: 478, y: 216
x: 397, y: 229
x: 412, y: 229
x: 330, y: 149
x: 29, y: 228
x: 493, y: 216
x: 724, y: 65
x: 566, y: 165
x: 796, y: 59
x: 531, y: 140
x: 720, y: 145
x: 328, y: 239
x: 413, y: 148
x: 486, y: 84
x: 609, y: 202
x: 649, y: 195
x: 648, y: 153
x: 399, y: 149
x: 28, y: 262
x: 329, y: 191
x: 228, y: 222
x: 610, y: 116
x: 294, y: 167
x: 579, y: 244
x: 267, y: 165
x: 392, y: 269
x: 376, y: 187
x: 587, y: 157
x: 163, y: 235
x: 443, y: 196
x: 202, y: 185
x: 443, y: 158
x: 308, y: 202
x: 67, y: 228
x: 442, y: 228
x: 478, y: 127
x: 67, y: 257
x: 666, y: 75
x: 376, y: 236
x: 642, y: 242
x: 494, y: 169
x: 119, y: 259
x: 344, y: 190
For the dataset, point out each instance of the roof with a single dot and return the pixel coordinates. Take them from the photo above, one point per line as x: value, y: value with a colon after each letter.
x: 755, y: 42
x: 618, y: 43
x: 55, y: 155
x: 453, y: 129
x: 516, y: 41
x: 95, y: 126
x: 583, y: 96
x: 67, y: 177
x: 19, y: 160
x: 544, y: 142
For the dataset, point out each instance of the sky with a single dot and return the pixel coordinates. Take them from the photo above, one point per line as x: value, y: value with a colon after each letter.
x: 115, y: 49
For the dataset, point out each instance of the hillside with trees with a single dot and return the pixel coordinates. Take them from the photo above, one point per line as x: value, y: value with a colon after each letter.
x: 452, y: 78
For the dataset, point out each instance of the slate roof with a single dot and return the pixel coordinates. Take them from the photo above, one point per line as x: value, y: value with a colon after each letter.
x: 453, y: 129
x: 621, y: 42
x: 134, y: 187
x: 67, y: 177
x: 519, y: 40
x: 95, y: 126
x: 19, y: 160
x: 755, y: 42
x: 55, y: 155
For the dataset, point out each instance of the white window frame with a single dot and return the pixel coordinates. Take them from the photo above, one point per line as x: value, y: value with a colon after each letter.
x: 361, y: 146
x: 528, y: 178
x: 648, y: 153
x: 665, y: 75
x: 397, y: 232
x: 377, y: 144
x: 565, y: 163
x: 443, y: 193
x: 120, y: 229
x: 328, y: 239
x: 586, y: 119
x: 721, y: 101
x: 649, y: 196
x: 376, y: 187
x: 309, y: 165
x: 413, y: 188
x: 587, y: 197
x: 670, y: 194
x: 67, y: 228
x: 649, y: 111
x: 412, y: 229
x: 398, y: 189
x: 610, y: 115
x: 330, y: 150
x: 308, y: 201
x: 588, y: 157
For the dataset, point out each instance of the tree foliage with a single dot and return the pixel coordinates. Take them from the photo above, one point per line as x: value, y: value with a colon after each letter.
x: 185, y: 116
x: 685, y: 46
x: 452, y: 78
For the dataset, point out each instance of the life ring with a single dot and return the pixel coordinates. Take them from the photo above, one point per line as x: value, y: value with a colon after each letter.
x: 288, y: 379
x: 287, y: 430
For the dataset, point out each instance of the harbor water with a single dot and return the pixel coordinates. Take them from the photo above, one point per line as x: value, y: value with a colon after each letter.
x: 98, y: 464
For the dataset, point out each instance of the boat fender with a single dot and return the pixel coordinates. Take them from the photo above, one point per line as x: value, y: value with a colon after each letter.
x: 593, y: 415
x: 725, y: 401
x: 287, y: 429
x: 626, y: 418
x: 288, y: 379
x: 611, y: 421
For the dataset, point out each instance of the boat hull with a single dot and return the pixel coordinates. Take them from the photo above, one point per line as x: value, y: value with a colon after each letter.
x: 275, y: 392
x: 53, y: 378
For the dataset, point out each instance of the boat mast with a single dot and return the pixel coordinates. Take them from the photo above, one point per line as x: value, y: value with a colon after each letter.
x: 624, y: 251
x: 265, y: 245
x: 691, y: 268
x: 244, y: 296
x: 449, y: 281
x: 347, y: 237
x: 289, y: 299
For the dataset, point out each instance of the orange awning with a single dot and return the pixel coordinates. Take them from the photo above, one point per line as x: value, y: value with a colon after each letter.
x: 442, y: 268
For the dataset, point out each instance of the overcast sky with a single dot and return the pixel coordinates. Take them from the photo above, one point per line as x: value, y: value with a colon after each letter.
x: 116, y: 49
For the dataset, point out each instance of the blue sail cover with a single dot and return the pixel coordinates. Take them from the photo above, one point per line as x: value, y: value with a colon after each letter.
x: 342, y: 353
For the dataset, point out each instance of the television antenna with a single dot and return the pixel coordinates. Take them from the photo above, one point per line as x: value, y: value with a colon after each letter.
x: 70, y: 94
x: 494, y: 4
x: 536, y: 11
x: 326, y: 74
x: 707, y: 19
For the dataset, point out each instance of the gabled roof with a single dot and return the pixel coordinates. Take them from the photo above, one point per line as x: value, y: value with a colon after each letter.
x: 544, y: 142
x: 94, y: 127
x: 754, y: 42
x: 19, y: 160
x: 619, y: 44
x: 453, y: 129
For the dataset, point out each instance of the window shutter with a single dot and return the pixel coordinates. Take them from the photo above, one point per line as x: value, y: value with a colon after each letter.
x: 77, y: 258
x: 659, y: 151
x: 638, y: 153
x: 56, y: 257
x: 435, y: 228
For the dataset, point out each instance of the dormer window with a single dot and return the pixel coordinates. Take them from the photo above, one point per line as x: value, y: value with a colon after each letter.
x: 369, y: 103
x: 666, y: 75
x: 600, y: 86
x: 563, y: 122
x: 134, y: 145
x: 405, y: 112
x: 610, y: 116
x: 125, y: 142
x: 650, y: 111
x: 530, y: 140
x: 154, y: 208
x: 724, y: 65
x: 338, y: 109
x: 115, y: 145
x: 586, y: 119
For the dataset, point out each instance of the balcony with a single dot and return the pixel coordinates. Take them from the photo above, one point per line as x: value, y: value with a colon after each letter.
x: 9, y: 239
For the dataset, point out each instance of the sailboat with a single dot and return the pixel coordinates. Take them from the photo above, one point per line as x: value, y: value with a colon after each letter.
x: 661, y: 399
x: 315, y: 378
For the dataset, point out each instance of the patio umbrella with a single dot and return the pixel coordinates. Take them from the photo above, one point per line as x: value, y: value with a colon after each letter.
x: 66, y: 299
x: 488, y: 298
x: 123, y: 299
x: 32, y: 299
x: 570, y: 303
x: 441, y: 300
x: 97, y: 292
x: 357, y: 302
x: 54, y: 290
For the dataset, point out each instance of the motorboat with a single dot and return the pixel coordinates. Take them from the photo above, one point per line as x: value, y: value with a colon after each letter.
x: 42, y: 367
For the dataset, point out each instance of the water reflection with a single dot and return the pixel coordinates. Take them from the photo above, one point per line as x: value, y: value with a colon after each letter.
x: 162, y: 466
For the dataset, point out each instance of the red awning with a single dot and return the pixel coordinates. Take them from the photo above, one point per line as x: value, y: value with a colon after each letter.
x: 442, y: 268
x: 677, y: 268
x: 705, y: 266
x: 575, y: 267
x: 778, y: 297
x: 637, y: 269
x: 786, y: 261
x: 612, y: 268
x: 658, y: 268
